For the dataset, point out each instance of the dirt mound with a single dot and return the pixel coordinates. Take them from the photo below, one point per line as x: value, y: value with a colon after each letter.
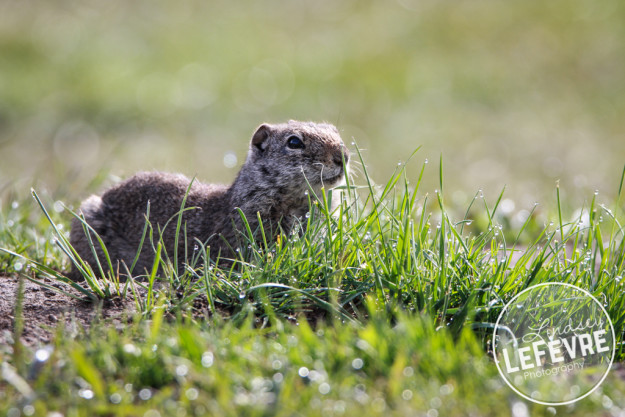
x: 44, y: 309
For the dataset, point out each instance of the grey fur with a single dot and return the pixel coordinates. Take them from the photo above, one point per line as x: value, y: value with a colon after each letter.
x: 272, y: 182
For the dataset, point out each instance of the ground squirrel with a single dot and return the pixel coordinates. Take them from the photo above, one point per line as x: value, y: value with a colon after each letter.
x: 283, y: 161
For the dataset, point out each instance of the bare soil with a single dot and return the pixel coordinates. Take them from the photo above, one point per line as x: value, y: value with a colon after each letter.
x: 43, y: 310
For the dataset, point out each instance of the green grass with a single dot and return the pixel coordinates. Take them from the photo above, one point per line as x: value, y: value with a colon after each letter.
x: 390, y: 299
x: 220, y: 368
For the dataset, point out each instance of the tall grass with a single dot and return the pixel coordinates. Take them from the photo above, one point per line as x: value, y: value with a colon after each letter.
x: 381, y: 301
x: 394, y: 245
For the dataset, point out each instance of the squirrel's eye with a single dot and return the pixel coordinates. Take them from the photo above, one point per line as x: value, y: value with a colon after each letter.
x: 294, y: 142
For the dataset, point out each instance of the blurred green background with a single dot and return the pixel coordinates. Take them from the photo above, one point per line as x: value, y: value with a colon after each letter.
x: 510, y: 93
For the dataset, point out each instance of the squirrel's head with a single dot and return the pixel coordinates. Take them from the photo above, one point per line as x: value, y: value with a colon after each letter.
x: 295, y: 154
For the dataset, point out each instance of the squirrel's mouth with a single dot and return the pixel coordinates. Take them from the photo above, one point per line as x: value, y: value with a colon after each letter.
x: 326, y: 178
x: 331, y: 180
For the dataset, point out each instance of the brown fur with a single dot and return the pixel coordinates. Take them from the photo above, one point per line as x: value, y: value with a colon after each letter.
x: 272, y: 182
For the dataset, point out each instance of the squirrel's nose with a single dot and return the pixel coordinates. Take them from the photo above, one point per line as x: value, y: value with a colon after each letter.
x: 342, y: 154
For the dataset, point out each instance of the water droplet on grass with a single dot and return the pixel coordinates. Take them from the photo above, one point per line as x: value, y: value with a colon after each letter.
x: 42, y: 355
x: 406, y: 394
x: 324, y: 388
x: 303, y: 372
x: 58, y: 206
x: 132, y: 349
x: 357, y: 363
x: 207, y: 359
x: 192, y: 394
x: 182, y: 370
x: 87, y: 394
x: 145, y: 394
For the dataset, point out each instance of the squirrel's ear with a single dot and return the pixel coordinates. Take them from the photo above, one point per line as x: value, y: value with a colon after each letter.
x: 259, y: 140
